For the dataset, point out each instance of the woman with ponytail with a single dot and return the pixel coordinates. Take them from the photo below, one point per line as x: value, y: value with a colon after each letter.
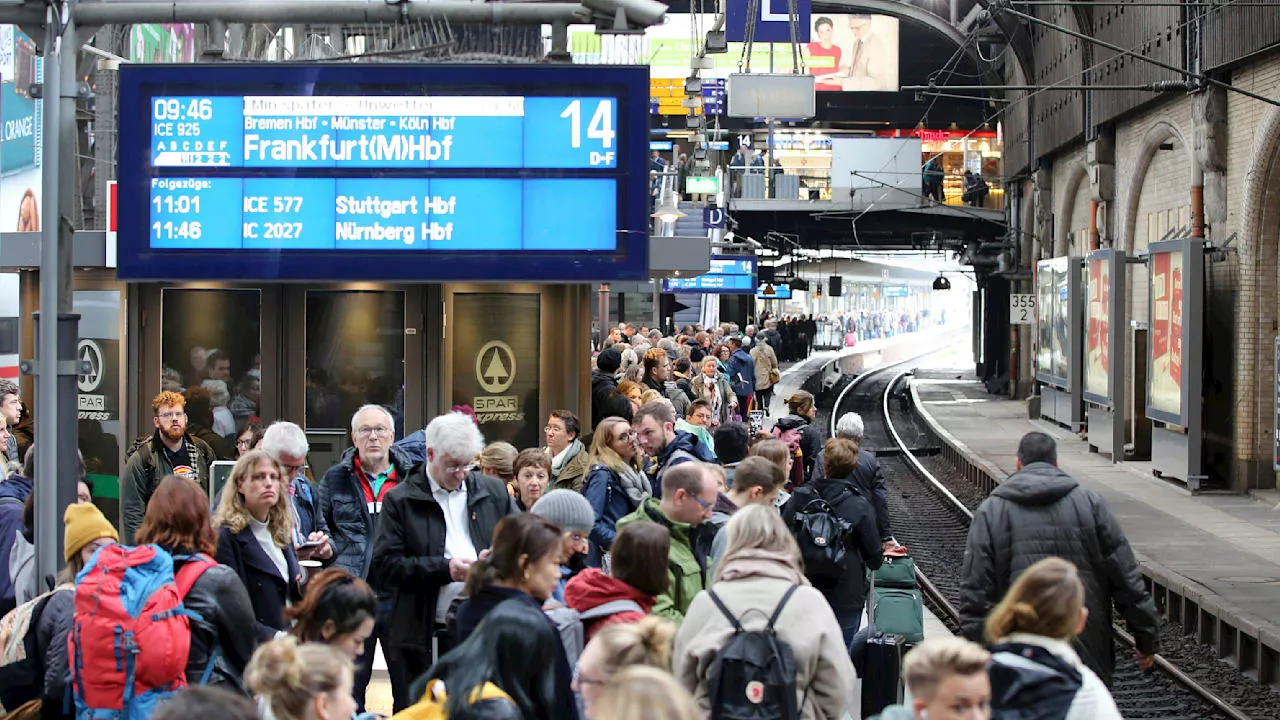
x: 1035, y: 668
x: 523, y: 564
x: 301, y: 682
x: 617, y: 647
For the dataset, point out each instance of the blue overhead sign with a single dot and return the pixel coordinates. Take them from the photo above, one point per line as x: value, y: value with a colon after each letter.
x: 780, y: 292
x: 432, y: 173
x: 729, y: 275
x: 772, y: 23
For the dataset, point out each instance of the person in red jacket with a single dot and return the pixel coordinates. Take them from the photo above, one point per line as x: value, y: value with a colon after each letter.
x: 629, y: 588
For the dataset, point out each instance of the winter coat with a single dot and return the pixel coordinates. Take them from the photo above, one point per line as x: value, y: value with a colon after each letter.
x: 753, y: 585
x: 225, y: 610
x: 574, y: 472
x: 849, y: 591
x: 51, y: 643
x: 686, y: 566
x: 351, y: 526
x: 868, y: 477
x: 765, y: 360
x: 13, y: 493
x: 269, y: 593
x: 1039, y: 512
x: 602, y: 386
x: 22, y: 568
x: 701, y: 390
x: 1091, y: 702
x: 684, y: 448
x: 604, y: 491
x: 742, y: 373
x: 591, y: 588
x: 142, y: 474
x: 474, y: 610
x: 408, y: 551
x: 811, y: 439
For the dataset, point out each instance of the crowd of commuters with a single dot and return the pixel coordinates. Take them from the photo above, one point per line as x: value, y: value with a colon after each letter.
x: 605, y: 574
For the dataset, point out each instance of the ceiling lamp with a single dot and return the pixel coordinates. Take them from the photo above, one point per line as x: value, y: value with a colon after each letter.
x: 941, y: 283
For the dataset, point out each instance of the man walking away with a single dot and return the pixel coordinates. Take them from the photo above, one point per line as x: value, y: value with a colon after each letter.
x: 1039, y: 512
x: 170, y: 451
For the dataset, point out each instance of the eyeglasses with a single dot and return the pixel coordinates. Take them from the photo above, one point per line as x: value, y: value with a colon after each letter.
x: 577, y: 538
x: 581, y: 679
x: 379, y: 431
x: 705, y: 505
x: 552, y: 428
x: 292, y: 470
x: 243, y: 443
x: 455, y: 469
x: 172, y: 415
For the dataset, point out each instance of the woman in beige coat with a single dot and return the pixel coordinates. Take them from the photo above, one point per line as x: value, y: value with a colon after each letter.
x: 766, y: 361
x: 761, y: 563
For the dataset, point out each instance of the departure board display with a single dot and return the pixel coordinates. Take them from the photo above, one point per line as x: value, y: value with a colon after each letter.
x: 729, y: 275
x: 433, y: 173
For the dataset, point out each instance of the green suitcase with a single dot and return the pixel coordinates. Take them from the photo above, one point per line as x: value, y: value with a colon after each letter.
x: 898, y: 571
x: 898, y: 611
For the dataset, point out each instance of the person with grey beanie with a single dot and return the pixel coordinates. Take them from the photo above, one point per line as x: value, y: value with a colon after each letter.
x: 573, y: 514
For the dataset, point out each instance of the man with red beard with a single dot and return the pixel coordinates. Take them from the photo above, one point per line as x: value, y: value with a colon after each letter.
x: 170, y: 451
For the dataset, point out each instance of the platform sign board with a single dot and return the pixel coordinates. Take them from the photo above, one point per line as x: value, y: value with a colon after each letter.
x: 427, y: 173
x: 773, y: 291
x: 729, y: 275
x: 1022, y: 309
x: 496, y: 363
x: 1174, y: 353
x: 1055, y: 298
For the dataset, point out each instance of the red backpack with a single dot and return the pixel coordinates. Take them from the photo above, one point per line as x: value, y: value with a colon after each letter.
x: 792, y: 438
x: 131, y: 635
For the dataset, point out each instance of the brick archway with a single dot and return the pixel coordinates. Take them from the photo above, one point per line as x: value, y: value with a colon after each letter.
x: 1257, y: 311
x: 1076, y: 176
x: 1159, y: 133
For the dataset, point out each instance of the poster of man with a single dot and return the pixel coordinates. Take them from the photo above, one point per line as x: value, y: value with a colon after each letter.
x: 854, y: 53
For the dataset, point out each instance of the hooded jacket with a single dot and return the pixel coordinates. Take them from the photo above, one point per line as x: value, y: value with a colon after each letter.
x: 344, y: 510
x: 1039, y: 512
x: 742, y: 373
x: 810, y: 438
x: 592, y: 588
x: 684, y: 448
x: 752, y: 585
x: 13, y: 493
x: 1029, y: 668
x: 686, y: 567
x: 765, y: 360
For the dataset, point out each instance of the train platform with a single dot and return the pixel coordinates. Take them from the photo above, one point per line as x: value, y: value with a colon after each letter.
x: 1213, y: 560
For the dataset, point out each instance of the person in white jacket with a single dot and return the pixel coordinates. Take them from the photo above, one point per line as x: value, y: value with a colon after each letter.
x: 1034, y: 668
x: 759, y: 566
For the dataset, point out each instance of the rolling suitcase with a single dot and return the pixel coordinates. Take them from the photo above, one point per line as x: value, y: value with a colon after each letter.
x: 898, y: 611
x: 882, y: 673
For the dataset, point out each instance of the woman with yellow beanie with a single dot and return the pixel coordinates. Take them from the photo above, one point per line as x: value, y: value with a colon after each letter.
x: 86, y: 531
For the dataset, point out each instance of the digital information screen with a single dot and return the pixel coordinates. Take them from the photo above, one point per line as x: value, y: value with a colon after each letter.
x: 729, y: 274
x: 436, y: 172
x: 780, y: 292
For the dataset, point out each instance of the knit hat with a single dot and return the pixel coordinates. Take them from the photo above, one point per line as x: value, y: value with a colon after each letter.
x: 84, y: 524
x: 609, y: 360
x: 567, y: 509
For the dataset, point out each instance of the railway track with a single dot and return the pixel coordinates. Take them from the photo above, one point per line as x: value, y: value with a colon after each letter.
x: 931, y: 506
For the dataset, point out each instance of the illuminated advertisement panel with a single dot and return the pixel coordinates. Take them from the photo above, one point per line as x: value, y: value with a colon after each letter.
x: 1097, y: 363
x: 1044, y: 314
x: 1164, y: 371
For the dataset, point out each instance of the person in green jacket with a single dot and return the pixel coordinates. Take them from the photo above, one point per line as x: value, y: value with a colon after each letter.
x: 689, y: 492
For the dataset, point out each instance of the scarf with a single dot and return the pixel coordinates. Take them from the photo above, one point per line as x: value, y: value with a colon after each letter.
x: 559, y: 461
x: 635, y: 484
x: 756, y: 562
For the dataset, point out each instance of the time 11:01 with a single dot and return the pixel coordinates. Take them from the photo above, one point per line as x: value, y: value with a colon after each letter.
x: 176, y: 203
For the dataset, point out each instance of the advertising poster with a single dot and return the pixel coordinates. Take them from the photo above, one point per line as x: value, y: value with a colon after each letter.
x: 1096, y: 363
x: 20, y: 179
x: 846, y: 53
x: 99, y: 394
x: 1044, y: 318
x: 162, y: 43
x: 496, y: 363
x: 1061, y: 327
x: 1165, y: 372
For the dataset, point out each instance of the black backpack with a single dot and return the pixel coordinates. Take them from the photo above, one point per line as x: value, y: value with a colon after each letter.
x: 822, y: 534
x: 754, y: 675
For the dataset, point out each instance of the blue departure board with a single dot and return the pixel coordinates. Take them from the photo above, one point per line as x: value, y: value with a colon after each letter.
x: 428, y: 173
x: 729, y: 275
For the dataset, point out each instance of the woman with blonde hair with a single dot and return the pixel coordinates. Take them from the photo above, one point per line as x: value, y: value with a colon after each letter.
x: 301, y: 682
x: 645, y: 693
x: 760, y: 577
x: 498, y: 460
x: 615, y: 486
x: 1031, y: 632
x: 615, y: 648
x: 255, y: 538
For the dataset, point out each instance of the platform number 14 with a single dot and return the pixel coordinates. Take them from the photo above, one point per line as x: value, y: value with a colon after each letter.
x: 600, y: 128
x: 1022, y: 309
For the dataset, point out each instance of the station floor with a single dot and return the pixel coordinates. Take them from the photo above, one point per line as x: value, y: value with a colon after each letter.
x: 1227, y: 544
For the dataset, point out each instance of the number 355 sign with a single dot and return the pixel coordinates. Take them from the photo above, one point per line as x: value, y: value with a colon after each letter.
x: 1022, y: 309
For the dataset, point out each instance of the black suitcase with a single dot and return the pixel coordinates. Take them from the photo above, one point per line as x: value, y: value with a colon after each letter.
x: 881, y: 673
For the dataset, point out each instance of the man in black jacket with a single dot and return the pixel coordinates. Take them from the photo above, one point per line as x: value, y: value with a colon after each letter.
x: 435, y: 525
x: 603, y: 383
x: 1040, y: 512
x: 351, y: 500
x: 867, y: 475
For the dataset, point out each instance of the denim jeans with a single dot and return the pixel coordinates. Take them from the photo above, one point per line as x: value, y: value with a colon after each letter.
x: 850, y: 622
